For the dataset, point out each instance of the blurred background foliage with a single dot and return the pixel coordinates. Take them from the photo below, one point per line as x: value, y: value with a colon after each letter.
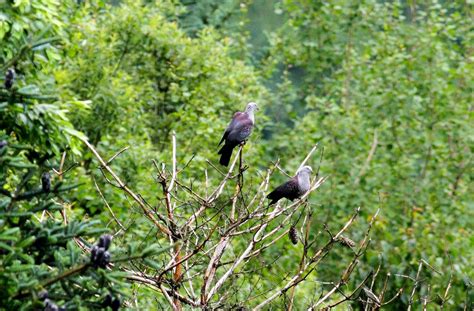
x: 389, y: 82
x: 384, y: 87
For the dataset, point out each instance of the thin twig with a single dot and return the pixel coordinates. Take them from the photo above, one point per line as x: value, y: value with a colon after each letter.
x: 108, y: 206
x: 369, y: 158
x: 315, y: 147
x: 126, y: 189
x: 173, y: 176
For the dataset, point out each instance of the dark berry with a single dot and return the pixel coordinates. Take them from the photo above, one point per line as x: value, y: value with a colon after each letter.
x: 46, y: 182
x: 43, y: 294
x: 9, y: 78
x: 104, y: 241
x: 50, y: 306
x: 115, y: 304
x: 293, y: 235
x: 107, y: 301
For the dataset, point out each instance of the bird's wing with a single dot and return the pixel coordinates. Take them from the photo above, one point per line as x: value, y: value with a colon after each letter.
x: 288, y: 190
x: 241, y: 130
x: 231, y: 126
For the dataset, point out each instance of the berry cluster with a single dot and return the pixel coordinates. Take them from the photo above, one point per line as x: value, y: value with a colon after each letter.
x: 100, y: 257
x: 113, y: 303
x: 9, y: 78
x: 49, y: 305
x: 46, y: 182
x: 293, y: 235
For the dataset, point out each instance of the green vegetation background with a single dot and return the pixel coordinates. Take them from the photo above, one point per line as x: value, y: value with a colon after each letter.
x: 385, y: 88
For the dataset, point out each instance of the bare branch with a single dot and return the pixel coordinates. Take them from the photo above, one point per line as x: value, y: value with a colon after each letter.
x: 315, y: 147
x: 126, y: 189
x: 369, y: 158
x: 173, y: 177
x: 108, y: 206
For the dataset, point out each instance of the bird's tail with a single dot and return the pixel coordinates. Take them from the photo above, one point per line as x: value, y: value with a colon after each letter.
x: 273, y: 197
x: 226, y: 154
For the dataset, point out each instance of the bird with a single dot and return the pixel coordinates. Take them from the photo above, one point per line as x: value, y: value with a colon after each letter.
x: 293, y: 188
x: 237, y: 132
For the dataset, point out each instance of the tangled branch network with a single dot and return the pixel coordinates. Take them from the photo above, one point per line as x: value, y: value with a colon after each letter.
x: 205, y: 229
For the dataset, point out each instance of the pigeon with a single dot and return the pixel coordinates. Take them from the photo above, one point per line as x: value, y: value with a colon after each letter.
x: 293, y: 188
x: 237, y: 132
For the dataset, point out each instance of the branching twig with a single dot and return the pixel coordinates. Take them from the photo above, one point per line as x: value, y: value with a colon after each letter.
x: 122, y: 186
x: 108, y: 206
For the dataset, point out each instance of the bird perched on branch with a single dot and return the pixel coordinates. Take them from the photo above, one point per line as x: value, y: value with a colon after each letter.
x: 293, y: 188
x: 237, y: 132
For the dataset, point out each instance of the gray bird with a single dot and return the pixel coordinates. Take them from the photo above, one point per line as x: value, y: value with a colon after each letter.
x: 238, y: 130
x: 293, y: 188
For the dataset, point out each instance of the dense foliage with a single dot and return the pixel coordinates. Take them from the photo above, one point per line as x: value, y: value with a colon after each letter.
x: 387, y: 88
x: 384, y: 88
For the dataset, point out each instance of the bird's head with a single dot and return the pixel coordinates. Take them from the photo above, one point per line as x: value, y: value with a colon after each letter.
x: 251, y: 107
x: 305, y: 170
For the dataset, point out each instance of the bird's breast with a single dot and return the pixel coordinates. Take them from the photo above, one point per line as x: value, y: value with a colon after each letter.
x: 303, y: 183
